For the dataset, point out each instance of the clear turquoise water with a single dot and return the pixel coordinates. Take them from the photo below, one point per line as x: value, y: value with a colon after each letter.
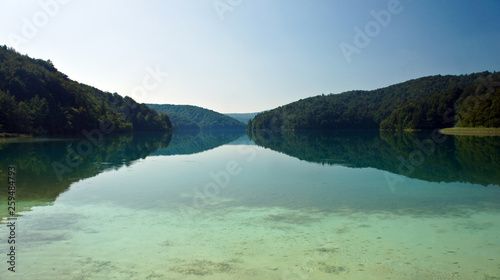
x: 218, y: 206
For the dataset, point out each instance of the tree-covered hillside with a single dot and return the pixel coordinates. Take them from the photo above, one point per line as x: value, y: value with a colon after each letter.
x: 370, y: 109
x: 185, y: 115
x: 476, y: 105
x: 35, y: 98
x: 180, y: 122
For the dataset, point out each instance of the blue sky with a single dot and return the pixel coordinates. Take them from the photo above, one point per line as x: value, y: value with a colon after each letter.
x: 252, y: 55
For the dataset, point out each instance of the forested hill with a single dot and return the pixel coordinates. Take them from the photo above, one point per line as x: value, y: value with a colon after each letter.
x: 415, y: 104
x: 242, y: 117
x: 188, y: 116
x: 35, y: 98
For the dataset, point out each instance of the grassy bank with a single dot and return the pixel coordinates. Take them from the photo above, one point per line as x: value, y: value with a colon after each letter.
x: 480, y: 131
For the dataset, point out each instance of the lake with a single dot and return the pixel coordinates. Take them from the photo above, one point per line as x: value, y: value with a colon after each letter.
x: 224, y: 205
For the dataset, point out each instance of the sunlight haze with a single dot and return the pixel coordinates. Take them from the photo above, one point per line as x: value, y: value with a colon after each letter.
x: 249, y: 56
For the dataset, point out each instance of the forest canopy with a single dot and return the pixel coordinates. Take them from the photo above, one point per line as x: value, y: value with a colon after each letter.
x: 194, y: 117
x: 35, y: 98
x: 426, y: 103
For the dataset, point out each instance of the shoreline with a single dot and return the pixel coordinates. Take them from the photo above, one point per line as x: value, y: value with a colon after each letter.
x: 475, y: 131
x: 13, y: 137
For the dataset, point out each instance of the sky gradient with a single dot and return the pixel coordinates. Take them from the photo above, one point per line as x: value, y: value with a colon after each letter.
x: 249, y: 56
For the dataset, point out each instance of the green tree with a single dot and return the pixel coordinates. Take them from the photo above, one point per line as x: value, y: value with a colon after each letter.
x: 35, y: 96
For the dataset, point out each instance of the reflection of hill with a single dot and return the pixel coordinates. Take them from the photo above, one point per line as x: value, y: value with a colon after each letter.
x: 480, y: 156
x: 459, y: 159
x: 470, y: 159
x: 191, y: 142
x: 37, y: 180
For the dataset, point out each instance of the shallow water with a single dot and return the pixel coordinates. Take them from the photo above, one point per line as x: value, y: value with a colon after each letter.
x: 133, y: 209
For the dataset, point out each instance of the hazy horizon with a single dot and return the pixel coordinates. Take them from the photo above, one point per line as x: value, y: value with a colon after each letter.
x: 236, y: 56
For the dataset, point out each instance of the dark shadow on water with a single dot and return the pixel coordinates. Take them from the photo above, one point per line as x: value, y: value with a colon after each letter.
x: 195, y: 141
x: 450, y: 172
x: 469, y: 159
x: 47, y: 167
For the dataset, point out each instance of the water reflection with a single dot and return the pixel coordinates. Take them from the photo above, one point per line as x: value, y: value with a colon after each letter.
x: 47, y: 167
x: 468, y: 159
x: 192, y: 142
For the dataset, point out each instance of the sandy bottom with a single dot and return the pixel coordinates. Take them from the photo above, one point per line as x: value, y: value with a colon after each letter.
x: 107, y: 242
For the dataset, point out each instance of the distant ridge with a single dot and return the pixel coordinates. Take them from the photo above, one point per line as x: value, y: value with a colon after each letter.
x: 243, y: 117
x: 426, y: 103
x: 194, y: 117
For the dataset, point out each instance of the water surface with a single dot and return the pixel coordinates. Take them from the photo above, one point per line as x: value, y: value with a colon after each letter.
x: 344, y: 205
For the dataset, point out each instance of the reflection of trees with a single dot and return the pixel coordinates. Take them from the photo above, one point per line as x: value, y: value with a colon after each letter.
x: 190, y: 142
x: 459, y: 159
x: 326, y: 147
x: 481, y: 156
x: 469, y: 159
x: 439, y: 164
x: 37, y: 182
